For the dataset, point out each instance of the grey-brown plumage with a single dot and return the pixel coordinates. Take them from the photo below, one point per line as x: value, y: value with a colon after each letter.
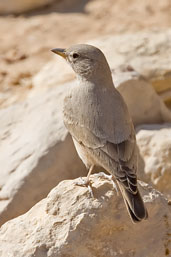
x: 97, y: 118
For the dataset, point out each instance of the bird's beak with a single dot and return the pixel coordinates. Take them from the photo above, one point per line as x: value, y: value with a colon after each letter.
x: 60, y: 51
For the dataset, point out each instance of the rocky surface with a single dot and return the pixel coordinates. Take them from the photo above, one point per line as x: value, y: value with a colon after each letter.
x: 69, y: 222
x: 36, y: 152
x: 154, y: 143
x: 145, y: 52
x: 144, y: 105
x: 54, y: 73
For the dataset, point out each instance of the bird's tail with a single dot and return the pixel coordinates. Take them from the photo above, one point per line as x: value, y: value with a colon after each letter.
x: 134, y: 204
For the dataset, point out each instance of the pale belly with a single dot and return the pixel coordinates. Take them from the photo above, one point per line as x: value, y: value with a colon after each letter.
x: 84, y: 155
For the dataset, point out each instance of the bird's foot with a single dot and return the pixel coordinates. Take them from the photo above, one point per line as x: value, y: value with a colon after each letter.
x: 109, y: 177
x: 83, y: 182
x: 86, y: 183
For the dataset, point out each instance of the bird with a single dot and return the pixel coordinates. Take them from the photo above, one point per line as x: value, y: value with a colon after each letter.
x: 99, y: 122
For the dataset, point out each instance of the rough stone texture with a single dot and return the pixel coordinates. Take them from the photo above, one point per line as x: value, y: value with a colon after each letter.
x: 144, y: 104
x: 154, y: 143
x: 69, y: 223
x: 36, y: 152
x: 54, y: 73
x: 144, y: 51
x: 166, y: 97
x: 18, y: 6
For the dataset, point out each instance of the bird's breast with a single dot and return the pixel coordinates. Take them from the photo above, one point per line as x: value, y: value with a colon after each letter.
x: 81, y: 104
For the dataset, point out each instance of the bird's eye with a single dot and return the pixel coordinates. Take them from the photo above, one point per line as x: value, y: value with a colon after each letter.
x: 75, y: 55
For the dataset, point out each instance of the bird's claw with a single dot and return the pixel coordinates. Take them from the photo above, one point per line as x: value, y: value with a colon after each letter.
x: 83, y: 182
x: 86, y: 183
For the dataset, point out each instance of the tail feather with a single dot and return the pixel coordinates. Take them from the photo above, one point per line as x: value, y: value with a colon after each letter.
x: 134, y: 204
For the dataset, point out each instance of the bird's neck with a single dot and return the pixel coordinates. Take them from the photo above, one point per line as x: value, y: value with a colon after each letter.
x: 102, y: 80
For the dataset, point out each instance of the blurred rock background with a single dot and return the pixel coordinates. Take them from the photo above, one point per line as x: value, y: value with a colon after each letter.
x: 36, y: 151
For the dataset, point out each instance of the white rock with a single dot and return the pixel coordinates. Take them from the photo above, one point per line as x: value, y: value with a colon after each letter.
x: 18, y: 6
x: 36, y: 152
x: 154, y: 143
x: 54, y: 73
x: 144, y: 51
x: 144, y: 105
x: 69, y: 222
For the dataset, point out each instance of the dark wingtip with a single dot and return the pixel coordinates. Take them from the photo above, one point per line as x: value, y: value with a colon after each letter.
x: 134, y: 218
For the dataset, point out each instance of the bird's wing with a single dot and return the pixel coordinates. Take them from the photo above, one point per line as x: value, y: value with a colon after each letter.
x: 125, y: 157
x: 119, y: 159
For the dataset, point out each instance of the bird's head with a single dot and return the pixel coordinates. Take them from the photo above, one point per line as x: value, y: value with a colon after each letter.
x: 87, y: 61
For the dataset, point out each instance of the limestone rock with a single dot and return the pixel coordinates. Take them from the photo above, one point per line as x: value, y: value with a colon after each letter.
x: 154, y: 143
x: 166, y: 97
x: 144, y: 51
x: 54, y: 73
x: 18, y: 6
x: 69, y: 223
x: 36, y: 152
x: 144, y: 105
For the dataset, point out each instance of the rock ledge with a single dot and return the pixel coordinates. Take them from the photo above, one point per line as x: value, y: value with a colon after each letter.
x: 69, y: 222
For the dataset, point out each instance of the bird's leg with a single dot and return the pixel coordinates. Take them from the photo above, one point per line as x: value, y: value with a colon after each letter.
x: 85, y: 182
x: 89, y: 173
